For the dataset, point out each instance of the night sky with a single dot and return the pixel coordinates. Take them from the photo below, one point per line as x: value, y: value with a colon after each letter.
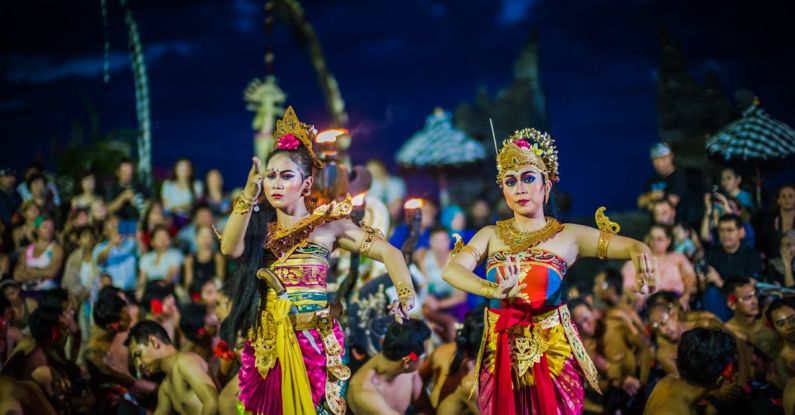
x: 394, y: 61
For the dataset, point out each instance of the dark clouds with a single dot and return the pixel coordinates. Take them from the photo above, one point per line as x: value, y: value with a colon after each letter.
x: 394, y: 62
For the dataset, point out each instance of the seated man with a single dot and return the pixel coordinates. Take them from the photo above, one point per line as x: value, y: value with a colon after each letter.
x: 706, y: 359
x: 111, y: 320
x: 21, y: 397
x: 451, y: 364
x: 40, y: 358
x: 747, y: 324
x: 589, y: 327
x: 781, y: 315
x: 389, y: 382
x: 187, y: 388
x: 626, y: 347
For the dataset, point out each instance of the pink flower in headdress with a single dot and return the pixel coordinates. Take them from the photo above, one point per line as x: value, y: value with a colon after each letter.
x: 288, y: 142
x: 521, y: 143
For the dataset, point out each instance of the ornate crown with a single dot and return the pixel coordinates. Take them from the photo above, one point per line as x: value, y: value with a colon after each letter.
x: 528, y: 147
x: 290, y: 128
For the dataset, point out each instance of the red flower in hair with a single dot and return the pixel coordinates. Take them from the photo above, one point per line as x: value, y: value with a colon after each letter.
x: 413, y: 357
x: 114, y: 326
x: 156, y: 306
x: 288, y: 142
x: 201, y: 332
x: 732, y: 298
x: 521, y: 143
x: 223, y: 352
x: 55, y: 333
x: 196, y: 297
x: 728, y: 372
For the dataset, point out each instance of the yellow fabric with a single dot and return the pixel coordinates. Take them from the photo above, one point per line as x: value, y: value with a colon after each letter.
x: 557, y: 348
x: 296, y: 392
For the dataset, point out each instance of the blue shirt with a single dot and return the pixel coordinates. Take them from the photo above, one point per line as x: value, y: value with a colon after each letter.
x: 121, y: 263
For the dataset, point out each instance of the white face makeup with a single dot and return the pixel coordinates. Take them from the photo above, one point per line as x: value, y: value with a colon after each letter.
x: 283, y: 184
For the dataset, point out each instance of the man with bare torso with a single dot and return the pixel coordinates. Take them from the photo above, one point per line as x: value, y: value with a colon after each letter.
x: 625, y: 346
x: 747, y: 324
x: 389, y: 383
x: 705, y: 360
x: 111, y: 320
x: 781, y: 316
x: 187, y: 388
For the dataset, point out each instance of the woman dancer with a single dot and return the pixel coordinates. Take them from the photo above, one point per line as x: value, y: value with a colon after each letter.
x: 292, y: 357
x: 532, y: 359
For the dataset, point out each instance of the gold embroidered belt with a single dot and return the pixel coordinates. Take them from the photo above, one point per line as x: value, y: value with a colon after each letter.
x: 336, y: 372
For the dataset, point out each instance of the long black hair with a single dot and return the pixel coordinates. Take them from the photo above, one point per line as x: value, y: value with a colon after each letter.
x: 467, y: 341
x: 243, y: 288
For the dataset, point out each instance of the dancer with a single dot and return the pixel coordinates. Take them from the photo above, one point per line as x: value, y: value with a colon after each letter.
x: 292, y: 360
x: 532, y: 359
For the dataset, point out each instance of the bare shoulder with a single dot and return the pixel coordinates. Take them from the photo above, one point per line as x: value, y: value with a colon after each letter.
x: 190, y: 360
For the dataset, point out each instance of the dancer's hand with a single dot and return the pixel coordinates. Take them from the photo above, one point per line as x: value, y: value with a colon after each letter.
x: 508, y: 286
x: 254, y: 182
x: 645, y: 273
x: 401, y: 308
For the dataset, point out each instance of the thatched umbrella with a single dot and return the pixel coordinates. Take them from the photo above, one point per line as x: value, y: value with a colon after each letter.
x: 439, y: 146
x: 755, y: 137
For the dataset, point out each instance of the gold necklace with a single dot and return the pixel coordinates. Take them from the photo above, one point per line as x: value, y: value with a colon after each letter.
x: 518, y: 241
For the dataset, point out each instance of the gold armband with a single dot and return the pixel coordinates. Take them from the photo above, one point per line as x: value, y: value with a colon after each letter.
x: 607, y: 229
x: 472, y: 251
x: 488, y: 289
x: 241, y: 205
x: 370, y: 236
x: 404, y: 292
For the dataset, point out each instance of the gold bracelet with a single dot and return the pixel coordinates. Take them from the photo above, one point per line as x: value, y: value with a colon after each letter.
x: 488, y: 289
x: 469, y: 249
x: 241, y: 205
x: 370, y: 236
x: 604, y: 243
x: 607, y: 229
x: 404, y: 292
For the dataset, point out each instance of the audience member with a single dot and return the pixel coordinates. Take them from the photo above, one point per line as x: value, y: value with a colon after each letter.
x: 674, y: 272
x: 730, y: 181
x: 779, y: 270
x: 781, y: 220
x: 727, y: 260
x: 705, y: 360
x: 780, y: 315
x: 161, y: 263
x: 220, y: 203
x: 667, y: 183
x: 125, y: 197
x: 39, y: 266
x: 87, y: 195
x: 24, y: 234
x: 186, y: 237
x: 181, y: 191
x: 9, y: 197
x: 389, y: 382
x: 187, y: 387
x: 205, y: 264
x: 81, y: 276
x: 22, y: 305
x: 118, y: 255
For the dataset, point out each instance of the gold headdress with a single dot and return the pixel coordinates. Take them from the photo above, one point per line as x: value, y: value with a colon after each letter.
x: 289, y: 125
x: 528, y: 147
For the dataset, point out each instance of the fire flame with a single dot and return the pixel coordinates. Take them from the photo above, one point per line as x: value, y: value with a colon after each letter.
x: 413, y: 204
x: 330, y: 136
x: 358, y: 200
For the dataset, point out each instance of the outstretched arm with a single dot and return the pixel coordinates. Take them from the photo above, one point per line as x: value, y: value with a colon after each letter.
x: 354, y: 239
x: 618, y: 247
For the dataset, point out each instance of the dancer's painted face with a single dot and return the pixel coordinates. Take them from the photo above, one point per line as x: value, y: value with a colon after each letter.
x: 283, y: 185
x: 524, y: 190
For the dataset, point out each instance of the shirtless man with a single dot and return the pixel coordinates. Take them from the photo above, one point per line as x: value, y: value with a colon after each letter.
x: 187, y: 388
x: 586, y: 320
x: 626, y: 347
x: 389, y: 383
x: 111, y: 320
x: 747, y: 323
x: 160, y: 305
x: 781, y: 316
x: 9, y: 335
x: 21, y: 397
x: 452, y: 363
x: 705, y: 361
